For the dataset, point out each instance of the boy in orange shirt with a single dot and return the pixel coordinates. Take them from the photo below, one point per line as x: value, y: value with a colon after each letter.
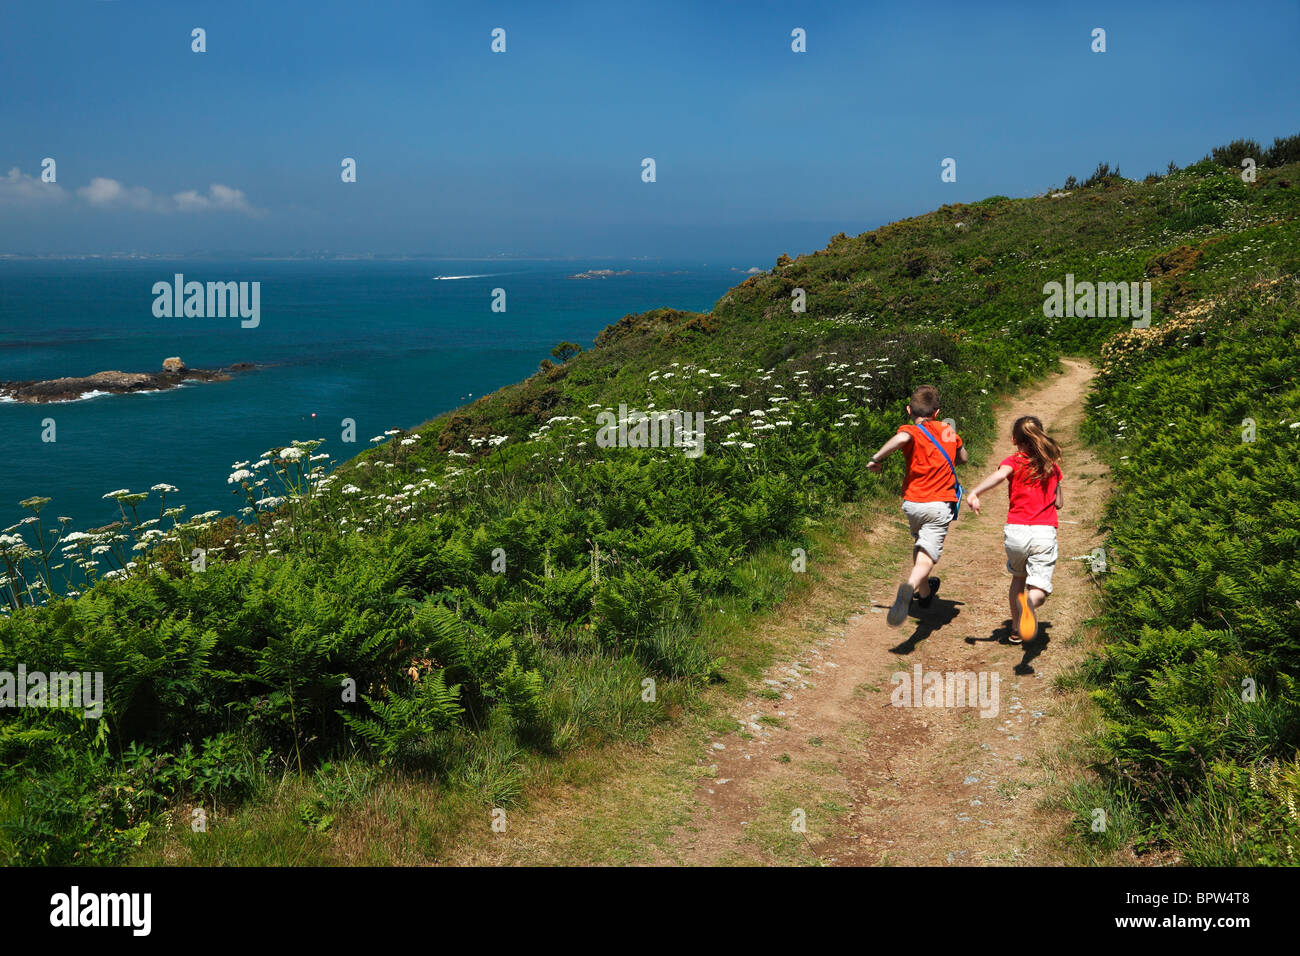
x: 929, y: 493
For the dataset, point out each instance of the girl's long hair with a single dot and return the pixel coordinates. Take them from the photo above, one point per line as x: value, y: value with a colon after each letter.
x: 1035, y: 444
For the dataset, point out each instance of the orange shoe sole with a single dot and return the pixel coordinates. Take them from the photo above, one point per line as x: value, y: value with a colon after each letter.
x: 1028, y: 625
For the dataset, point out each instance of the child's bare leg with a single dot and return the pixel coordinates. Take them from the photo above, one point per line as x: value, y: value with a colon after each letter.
x: 1017, y: 585
x: 1036, y: 597
x: 922, y: 565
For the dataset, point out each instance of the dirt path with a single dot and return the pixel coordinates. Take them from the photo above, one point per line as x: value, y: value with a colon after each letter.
x: 878, y: 783
x: 816, y: 736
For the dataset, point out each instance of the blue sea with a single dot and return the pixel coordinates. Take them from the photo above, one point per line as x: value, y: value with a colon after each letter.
x: 382, y: 342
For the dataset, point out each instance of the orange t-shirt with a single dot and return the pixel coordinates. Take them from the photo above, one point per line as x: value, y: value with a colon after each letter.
x: 928, y: 476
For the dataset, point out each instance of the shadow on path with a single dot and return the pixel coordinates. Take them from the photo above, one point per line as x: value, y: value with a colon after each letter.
x: 1002, y: 635
x: 937, y: 615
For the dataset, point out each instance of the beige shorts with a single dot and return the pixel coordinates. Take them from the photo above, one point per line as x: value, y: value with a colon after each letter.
x: 1031, y: 553
x: 929, y: 522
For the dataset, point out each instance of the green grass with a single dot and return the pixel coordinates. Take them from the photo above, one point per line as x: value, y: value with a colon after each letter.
x: 1202, y: 594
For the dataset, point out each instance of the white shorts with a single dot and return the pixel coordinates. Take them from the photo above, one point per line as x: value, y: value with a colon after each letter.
x: 929, y: 522
x: 1031, y: 553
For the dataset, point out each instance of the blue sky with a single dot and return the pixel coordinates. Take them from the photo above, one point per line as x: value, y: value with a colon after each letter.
x: 537, y: 151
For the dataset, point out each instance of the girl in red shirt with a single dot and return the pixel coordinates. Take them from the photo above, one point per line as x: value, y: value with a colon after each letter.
x: 1034, y: 493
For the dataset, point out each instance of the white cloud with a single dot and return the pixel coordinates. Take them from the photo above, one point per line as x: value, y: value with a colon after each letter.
x: 18, y: 187
x: 106, y: 192
x: 109, y: 193
x: 219, y: 198
x: 101, y: 191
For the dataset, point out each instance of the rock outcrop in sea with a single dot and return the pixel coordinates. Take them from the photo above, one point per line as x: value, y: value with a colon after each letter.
x: 174, y: 372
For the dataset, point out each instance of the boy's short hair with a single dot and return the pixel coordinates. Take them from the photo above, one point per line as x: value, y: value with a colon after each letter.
x: 925, y: 401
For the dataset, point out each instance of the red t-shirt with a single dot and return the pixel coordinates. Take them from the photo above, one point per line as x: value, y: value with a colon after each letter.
x: 1030, y: 501
x: 928, y: 476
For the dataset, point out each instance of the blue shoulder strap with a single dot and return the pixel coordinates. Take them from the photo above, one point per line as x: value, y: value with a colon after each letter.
x: 936, y: 444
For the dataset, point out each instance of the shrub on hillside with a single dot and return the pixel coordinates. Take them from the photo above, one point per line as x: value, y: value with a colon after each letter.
x: 1239, y: 149
x: 1103, y: 175
x: 915, y: 263
x: 1285, y: 149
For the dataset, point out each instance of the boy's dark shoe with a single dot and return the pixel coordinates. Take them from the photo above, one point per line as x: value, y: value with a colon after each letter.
x: 898, y: 612
x: 934, y: 589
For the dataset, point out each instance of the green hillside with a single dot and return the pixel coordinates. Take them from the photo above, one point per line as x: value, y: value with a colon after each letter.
x: 499, y: 588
